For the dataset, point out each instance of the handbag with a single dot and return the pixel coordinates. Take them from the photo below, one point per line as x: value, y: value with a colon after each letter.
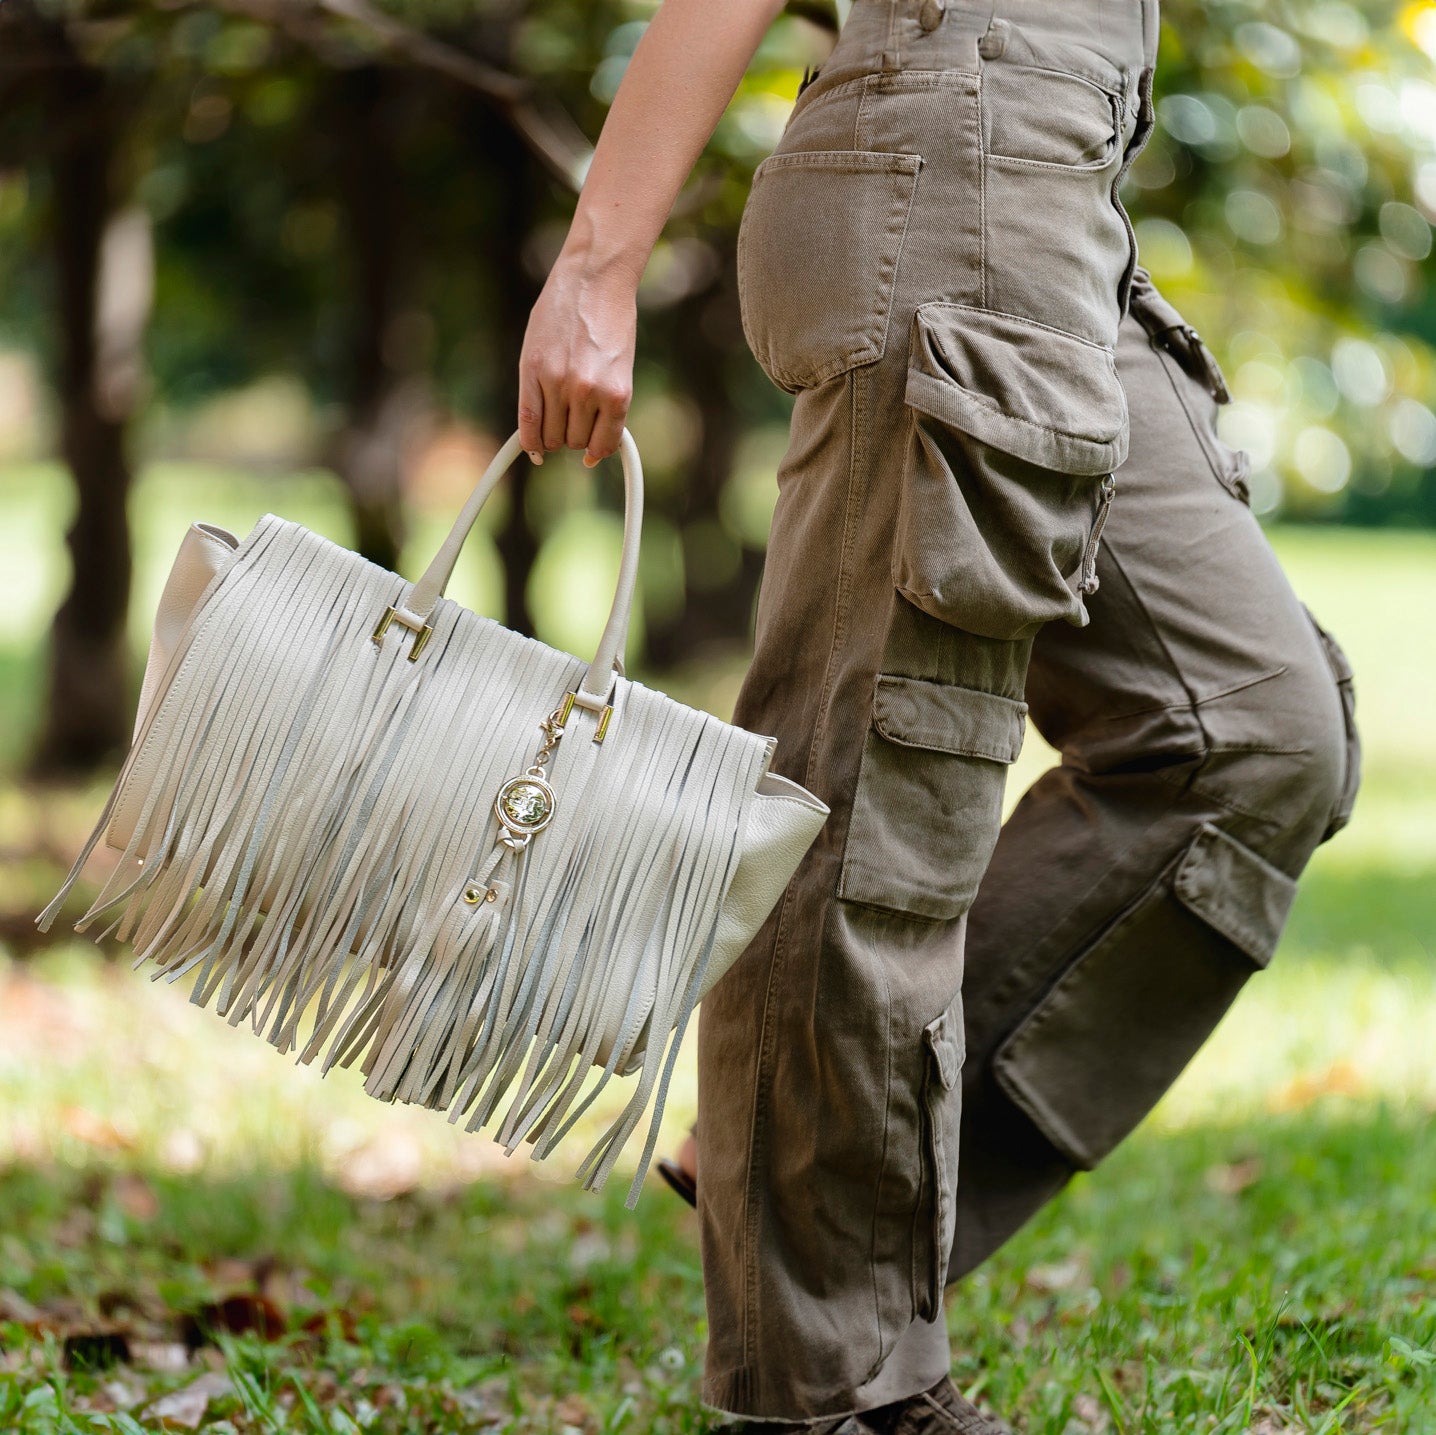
x: 383, y: 828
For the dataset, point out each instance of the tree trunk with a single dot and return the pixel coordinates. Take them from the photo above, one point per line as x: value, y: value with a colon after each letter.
x: 712, y: 615
x: 386, y: 396
x: 88, y: 714
x: 515, y: 176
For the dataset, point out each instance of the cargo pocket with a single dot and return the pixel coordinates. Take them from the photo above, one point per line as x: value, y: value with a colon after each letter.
x: 817, y: 253
x: 1341, y: 673
x: 928, y: 801
x: 1016, y: 431
x: 1128, y: 1013
x: 944, y: 1047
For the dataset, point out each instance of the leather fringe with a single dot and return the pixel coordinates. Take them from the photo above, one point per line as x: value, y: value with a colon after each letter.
x: 319, y: 804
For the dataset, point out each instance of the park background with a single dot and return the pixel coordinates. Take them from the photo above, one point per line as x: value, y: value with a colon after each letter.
x: 277, y: 255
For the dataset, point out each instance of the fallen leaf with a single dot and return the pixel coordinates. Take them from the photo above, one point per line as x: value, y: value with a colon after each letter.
x: 1339, y: 1079
x: 244, y: 1314
x: 135, y: 1197
x: 390, y: 1164
x: 14, y: 1307
x: 93, y: 1130
x: 1232, y: 1178
x: 1090, y: 1413
x: 573, y: 1411
x: 1055, y: 1277
x: 120, y: 1395
x: 166, y: 1355
x: 185, y: 1408
x: 95, y: 1349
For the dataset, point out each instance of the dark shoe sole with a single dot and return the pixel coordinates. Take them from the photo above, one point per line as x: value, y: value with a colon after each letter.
x: 680, y: 1180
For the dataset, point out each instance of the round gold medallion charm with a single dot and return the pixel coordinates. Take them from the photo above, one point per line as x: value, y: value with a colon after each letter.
x: 525, y: 804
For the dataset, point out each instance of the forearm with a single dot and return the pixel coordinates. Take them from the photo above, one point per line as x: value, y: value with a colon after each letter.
x: 680, y: 79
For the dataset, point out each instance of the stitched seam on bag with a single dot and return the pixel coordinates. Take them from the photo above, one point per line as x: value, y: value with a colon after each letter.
x: 240, y: 552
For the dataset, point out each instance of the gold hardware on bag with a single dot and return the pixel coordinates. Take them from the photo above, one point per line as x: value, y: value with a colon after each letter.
x: 421, y: 631
x: 474, y: 895
x: 566, y: 707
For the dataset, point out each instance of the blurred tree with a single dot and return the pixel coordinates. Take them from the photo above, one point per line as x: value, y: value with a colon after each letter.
x: 364, y: 198
x: 76, y: 114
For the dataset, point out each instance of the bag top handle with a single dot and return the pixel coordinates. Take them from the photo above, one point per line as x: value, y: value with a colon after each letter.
x: 593, y: 692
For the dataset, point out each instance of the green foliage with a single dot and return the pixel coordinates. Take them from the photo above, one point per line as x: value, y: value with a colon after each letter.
x: 1284, y: 203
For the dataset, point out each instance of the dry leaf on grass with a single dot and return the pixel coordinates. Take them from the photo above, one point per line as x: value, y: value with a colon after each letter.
x: 1234, y: 1177
x: 185, y: 1408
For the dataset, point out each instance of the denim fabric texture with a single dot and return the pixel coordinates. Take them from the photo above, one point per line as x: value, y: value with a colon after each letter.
x: 1004, y: 497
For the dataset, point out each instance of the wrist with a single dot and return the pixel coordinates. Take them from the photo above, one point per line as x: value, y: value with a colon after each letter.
x: 592, y: 259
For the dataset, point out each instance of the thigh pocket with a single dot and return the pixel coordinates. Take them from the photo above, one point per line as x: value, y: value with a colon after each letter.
x: 944, y: 1047
x: 1127, y: 1014
x: 928, y: 802
x: 817, y: 255
x: 1342, y: 676
x: 1017, y: 428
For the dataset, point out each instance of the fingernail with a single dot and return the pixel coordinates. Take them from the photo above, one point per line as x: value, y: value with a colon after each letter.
x: 535, y: 455
x: 589, y: 461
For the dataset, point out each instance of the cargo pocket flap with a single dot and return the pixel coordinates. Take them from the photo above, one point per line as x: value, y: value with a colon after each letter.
x: 1040, y: 393
x: 1235, y: 891
x: 946, y: 1038
x: 946, y: 718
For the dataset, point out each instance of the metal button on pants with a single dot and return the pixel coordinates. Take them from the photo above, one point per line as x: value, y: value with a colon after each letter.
x: 1003, y: 497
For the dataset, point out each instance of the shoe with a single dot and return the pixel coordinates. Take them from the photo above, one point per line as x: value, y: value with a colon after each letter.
x: 676, y: 1174
x: 680, y: 1180
x: 940, y: 1410
x: 837, y: 1425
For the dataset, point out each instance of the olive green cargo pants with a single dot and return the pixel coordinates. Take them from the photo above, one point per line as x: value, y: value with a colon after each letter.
x: 997, y: 423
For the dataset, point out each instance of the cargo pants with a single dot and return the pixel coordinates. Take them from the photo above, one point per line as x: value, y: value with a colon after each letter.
x: 1004, y: 494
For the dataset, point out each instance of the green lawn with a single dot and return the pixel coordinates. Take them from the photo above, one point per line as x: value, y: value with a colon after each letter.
x: 183, y: 1210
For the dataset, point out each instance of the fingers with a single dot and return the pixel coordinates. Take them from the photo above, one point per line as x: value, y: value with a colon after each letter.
x: 557, y: 413
x: 531, y: 409
x: 607, y: 428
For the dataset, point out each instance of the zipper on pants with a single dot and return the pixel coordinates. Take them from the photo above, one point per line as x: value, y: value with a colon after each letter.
x: 1089, y: 582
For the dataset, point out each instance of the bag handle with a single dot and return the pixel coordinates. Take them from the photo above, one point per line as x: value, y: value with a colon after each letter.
x: 593, y: 692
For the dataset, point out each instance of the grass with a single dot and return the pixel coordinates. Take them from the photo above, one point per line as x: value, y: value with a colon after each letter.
x: 186, y: 1217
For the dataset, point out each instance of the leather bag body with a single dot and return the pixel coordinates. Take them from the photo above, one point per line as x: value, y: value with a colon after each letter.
x: 384, y: 829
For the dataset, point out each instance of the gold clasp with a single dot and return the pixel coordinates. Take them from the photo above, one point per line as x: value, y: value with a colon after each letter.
x: 422, y: 631
x: 567, y: 707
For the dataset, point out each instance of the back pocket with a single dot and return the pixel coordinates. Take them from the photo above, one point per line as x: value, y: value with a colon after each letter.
x: 817, y: 255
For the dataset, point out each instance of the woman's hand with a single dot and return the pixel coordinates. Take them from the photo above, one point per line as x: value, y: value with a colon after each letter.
x: 576, y: 365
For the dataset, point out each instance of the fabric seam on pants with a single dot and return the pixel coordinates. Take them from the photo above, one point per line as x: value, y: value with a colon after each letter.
x: 768, y: 1038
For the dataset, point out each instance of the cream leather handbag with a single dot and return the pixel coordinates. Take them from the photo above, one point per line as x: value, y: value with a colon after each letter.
x: 476, y: 864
